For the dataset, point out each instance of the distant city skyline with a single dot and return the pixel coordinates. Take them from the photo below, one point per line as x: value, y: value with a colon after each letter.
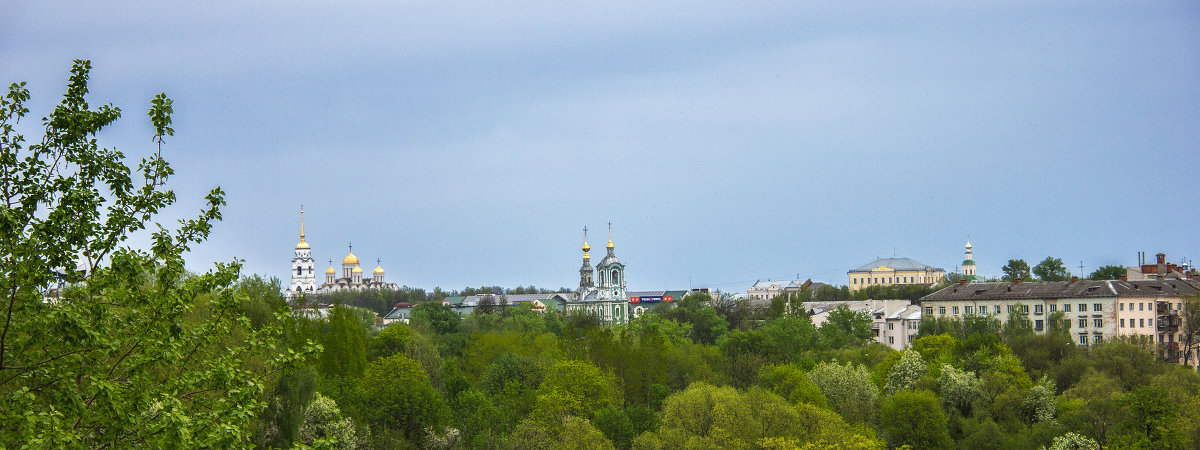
x: 726, y: 143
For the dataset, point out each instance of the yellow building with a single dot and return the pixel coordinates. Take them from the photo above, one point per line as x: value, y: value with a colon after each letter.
x: 894, y: 272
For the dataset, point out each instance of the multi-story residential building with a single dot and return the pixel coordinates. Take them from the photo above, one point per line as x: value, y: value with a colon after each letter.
x: 895, y: 322
x: 892, y: 272
x: 1153, y: 308
x: 1095, y: 310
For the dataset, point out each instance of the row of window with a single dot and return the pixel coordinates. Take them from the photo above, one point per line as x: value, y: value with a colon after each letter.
x: 1083, y: 339
x: 1141, y: 323
x: 1143, y: 306
x: 892, y: 339
x: 1037, y: 309
x: 883, y: 280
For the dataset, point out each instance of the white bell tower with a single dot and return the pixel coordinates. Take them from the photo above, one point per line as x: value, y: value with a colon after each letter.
x: 303, y: 279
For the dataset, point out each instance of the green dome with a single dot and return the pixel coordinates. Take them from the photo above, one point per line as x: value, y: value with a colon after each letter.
x: 968, y: 262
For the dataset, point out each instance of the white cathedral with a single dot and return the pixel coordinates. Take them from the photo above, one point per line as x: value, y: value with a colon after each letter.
x: 304, y: 281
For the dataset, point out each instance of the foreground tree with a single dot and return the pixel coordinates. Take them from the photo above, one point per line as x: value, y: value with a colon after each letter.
x: 914, y: 418
x: 1190, y: 316
x: 130, y: 350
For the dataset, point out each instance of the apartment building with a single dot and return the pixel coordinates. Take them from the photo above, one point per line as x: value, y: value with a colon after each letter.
x: 1095, y: 310
x: 895, y: 322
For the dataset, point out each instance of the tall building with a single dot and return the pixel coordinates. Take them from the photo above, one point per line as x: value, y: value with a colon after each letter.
x: 606, y: 299
x: 894, y: 272
x: 304, y: 281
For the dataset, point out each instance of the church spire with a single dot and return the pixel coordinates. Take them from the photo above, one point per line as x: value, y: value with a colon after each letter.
x: 586, y: 247
x: 610, y: 244
x: 968, y: 264
x: 302, y: 244
x: 585, y: 271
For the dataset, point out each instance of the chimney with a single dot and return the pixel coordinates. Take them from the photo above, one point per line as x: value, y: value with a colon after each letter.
x: 962, y: 282
x: 1162, y: 258
x: 1124, y: 277
x: 1074, y: 279
x: 1018, y: 281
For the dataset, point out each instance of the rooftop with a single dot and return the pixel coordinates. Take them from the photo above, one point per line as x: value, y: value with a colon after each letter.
x: 898, y: 264
x: 1062, y: 289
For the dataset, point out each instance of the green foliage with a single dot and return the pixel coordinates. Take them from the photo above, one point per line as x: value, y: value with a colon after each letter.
x: 882, y: 292
x: 572, y: 432
x: 345, y: 344
x: 914, y: 418
x: 1108, y: 273
x: 1040, y: 403
x: 905, y: 373
x: 696, y: 311
x: 1073, y: 441
x: 652, y: 323
x: 1052, y: 269
x: 847, y: 388
x: 478, y: 419
x: 325, y: 426
x: 436, y: 317
x: 791, y: 382
x: 1095, y: 407
x: 1016, y: 269
x: 133, y: 351
x: 1152, y: 420
x: 616, y: 426
x: 845, y: 327
x: 390, y: 341
x: 575, y: 388
x: 959, y: 389
x: 396, y: 396
x: 706, y: 416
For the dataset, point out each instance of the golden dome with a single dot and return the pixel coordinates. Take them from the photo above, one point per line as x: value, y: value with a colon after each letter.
x: 968, y: 244
x: 586, y: 247
x: 330, y: 270
x: 378, y: 269
x: 350, y: 259
x: 302, y: 244
x: 609, y: 243
x: 357, y: 269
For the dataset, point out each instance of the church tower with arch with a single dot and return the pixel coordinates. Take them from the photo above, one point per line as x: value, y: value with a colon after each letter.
x: 585, y: 272
x: 968, y: 264
x: 303, y: 279
x: 611, y: 271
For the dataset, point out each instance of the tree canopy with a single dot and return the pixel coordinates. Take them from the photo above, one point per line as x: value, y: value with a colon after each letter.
x: 1016, y: 269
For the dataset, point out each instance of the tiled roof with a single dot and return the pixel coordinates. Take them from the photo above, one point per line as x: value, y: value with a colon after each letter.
x: 905, y: 264
x: 1062, y: 289
x: 778, y: 284
x: 473, y: 300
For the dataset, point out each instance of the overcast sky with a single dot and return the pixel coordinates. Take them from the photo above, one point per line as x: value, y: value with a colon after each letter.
x: 466, y: 144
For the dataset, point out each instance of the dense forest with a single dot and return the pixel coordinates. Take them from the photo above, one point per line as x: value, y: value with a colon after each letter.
x: 691, y: 376
x: 104, y: 344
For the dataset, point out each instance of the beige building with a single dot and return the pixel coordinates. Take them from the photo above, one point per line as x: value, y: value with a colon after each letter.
x: 765, y: 290
x: 1095, y: 310
x: 895, y: 322
x: 894, y: 272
